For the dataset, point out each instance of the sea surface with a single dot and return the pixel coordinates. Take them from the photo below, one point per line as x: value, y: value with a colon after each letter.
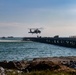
x: 16, y: 49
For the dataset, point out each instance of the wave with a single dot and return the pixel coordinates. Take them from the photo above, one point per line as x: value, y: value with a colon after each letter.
x: 10, y: 40
x: 14, y: 41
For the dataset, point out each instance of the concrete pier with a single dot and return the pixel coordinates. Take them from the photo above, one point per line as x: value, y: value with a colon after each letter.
x: 66, y: 42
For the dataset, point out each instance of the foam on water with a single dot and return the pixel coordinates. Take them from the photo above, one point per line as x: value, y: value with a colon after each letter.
x: 10, y: 40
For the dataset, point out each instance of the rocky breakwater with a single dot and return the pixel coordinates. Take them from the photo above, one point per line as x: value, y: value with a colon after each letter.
x: 19, y: 65
x: 38, y: 64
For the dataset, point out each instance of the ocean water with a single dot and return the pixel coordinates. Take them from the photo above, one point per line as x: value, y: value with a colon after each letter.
x: 16, y: 49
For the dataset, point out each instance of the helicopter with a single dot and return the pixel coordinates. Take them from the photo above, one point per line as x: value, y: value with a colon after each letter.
x: 35, y: 30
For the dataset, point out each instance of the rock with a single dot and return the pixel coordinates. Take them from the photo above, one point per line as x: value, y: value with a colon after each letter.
x: 71, y: 64
x: 2, y: 71
x: 17, y: 65
x: 3, y: 64
x: 14, y: 64
x: 11, y: 65
x: 41, y: 65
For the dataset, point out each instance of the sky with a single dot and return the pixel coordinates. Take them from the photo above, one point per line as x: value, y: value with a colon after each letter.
x: 56, y: 17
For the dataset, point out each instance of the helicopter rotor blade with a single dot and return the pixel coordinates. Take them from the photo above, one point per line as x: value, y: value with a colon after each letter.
x: 35, y: 28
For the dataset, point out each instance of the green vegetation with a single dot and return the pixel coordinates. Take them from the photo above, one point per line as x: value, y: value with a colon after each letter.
x: 47, y: 72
